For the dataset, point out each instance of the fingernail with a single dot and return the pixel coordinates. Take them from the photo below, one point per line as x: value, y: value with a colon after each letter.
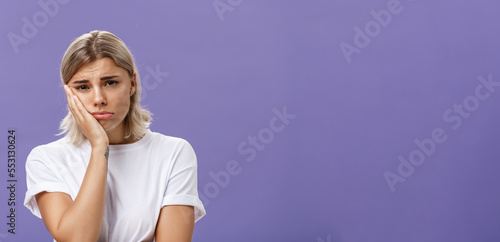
x: 74, y: 96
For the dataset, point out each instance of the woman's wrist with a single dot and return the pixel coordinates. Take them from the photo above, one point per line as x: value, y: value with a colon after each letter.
x: 101, y: 149
x: 100, y: 144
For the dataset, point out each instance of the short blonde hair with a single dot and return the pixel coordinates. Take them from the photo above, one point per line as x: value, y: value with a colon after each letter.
x: 88, y: 48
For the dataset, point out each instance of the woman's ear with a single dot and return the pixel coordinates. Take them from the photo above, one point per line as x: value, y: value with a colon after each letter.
x: 133, y: 84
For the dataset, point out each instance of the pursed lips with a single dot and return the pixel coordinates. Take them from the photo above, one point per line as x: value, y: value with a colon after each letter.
x: 102, y: 115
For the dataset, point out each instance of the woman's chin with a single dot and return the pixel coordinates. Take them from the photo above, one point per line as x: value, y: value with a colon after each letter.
x: 109, y: 126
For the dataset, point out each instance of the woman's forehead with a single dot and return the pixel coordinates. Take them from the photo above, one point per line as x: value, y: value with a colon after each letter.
x: 99, y: 68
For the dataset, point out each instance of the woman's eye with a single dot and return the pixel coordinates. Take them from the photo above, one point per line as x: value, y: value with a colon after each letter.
x: 83, y: 87
x: 111, y: 83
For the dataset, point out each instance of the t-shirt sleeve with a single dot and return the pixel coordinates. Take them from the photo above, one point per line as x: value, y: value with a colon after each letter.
x: 182, y: 185
x: 40, y: 177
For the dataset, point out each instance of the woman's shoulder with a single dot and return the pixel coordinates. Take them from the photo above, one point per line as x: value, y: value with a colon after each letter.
x: 55, y: 148
x: 172, y: 143
x: 177, y: 150
x: 167, y: 139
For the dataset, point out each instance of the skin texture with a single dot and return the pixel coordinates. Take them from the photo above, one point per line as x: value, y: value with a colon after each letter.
x: 101, y: 86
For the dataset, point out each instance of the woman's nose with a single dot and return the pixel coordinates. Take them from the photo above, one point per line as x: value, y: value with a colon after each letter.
x: 99, y: 97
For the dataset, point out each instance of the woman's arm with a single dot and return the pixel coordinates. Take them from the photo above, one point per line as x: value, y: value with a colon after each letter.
x: 175, y: 224
x: 80, y: 220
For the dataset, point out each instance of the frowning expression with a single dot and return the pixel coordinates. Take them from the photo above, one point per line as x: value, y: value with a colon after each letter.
x: 104, y: 90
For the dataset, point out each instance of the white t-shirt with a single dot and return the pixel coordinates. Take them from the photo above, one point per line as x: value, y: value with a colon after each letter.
x: 144, y: 176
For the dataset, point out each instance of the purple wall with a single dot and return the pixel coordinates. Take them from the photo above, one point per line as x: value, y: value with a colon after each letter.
x: 312, y: 120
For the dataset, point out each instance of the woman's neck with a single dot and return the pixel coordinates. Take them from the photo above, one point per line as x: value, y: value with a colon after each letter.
x: 117, y: 136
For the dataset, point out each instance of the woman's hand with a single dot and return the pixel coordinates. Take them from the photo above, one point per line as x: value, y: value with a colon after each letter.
x: 89, y: 125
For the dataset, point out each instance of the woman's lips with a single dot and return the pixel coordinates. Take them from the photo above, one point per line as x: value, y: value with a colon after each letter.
x: 102, y: 115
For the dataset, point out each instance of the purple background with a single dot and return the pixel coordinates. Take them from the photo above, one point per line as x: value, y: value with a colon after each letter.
x: 322, y: 177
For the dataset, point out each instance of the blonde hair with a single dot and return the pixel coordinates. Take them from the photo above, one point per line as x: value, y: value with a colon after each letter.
x: 88, y: 48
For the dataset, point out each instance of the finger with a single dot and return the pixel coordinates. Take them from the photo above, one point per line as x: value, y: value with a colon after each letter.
x: 72, y: 105
x: 81, y: 109
x: 68, y: 98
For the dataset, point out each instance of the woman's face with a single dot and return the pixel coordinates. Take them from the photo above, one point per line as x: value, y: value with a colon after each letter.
x: 104, y: 90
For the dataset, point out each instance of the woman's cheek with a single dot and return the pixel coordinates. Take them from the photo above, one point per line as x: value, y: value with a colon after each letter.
x: 125, y: 106
x: 84, y: 100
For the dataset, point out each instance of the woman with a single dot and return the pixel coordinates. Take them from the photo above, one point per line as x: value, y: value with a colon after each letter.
x: 111, y: 178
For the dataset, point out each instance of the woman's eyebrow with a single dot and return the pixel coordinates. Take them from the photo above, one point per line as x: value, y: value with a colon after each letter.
x: 104, y: 78
x: 79, y: 82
